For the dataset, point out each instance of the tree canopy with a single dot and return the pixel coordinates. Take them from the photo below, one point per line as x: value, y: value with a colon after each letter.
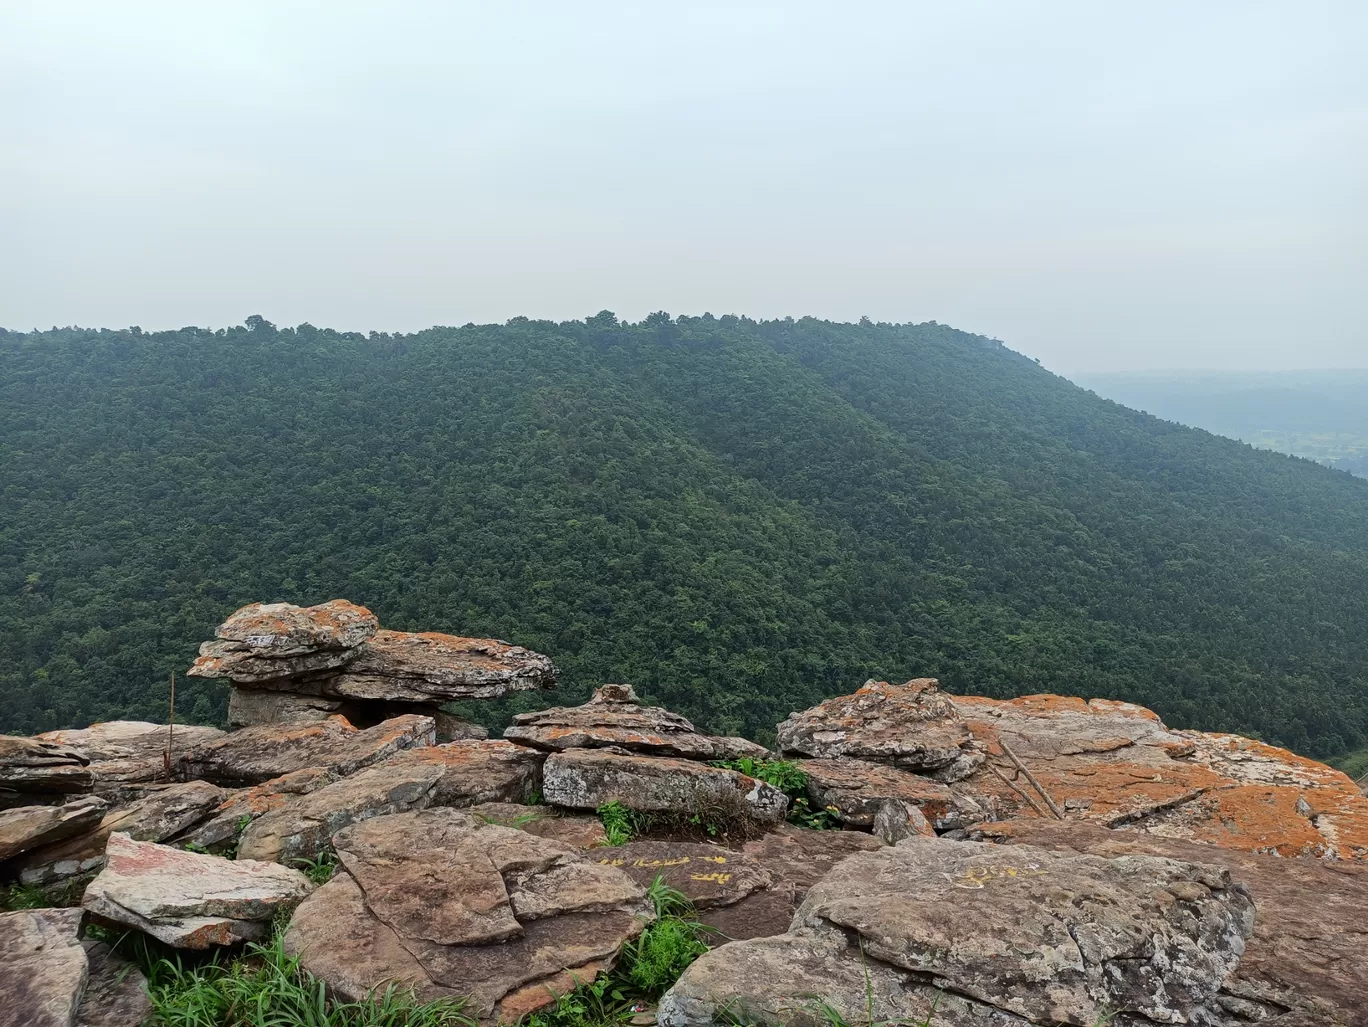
x: 739, y: 517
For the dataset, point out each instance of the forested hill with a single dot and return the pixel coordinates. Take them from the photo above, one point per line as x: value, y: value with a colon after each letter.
x: 739, y: 517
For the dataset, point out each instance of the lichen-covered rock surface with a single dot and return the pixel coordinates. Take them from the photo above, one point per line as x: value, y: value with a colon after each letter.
x: 1045, y: 937
x: 590, y: 778
x: 446, y: 904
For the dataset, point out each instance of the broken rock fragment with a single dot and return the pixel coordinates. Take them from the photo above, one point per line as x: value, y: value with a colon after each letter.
x: 187, y: 899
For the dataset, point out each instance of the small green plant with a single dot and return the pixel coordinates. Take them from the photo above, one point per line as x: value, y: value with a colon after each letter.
x: 33, y: 896
x: 195, y: 847
x: 619, y: 823
x: 790, y: 778
x: 267, y: 988
x: 320, y: 869
x: 599, y: 1004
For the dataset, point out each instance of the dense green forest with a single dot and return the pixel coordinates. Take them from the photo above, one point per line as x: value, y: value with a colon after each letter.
x: 739, y: 517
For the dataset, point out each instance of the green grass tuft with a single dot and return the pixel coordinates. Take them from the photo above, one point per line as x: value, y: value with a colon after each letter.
x: 320, y: 869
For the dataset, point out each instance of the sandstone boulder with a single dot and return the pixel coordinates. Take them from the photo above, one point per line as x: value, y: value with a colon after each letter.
x: 614, y: 716
x: 447, y: 905
x: 29, y: 827
x: 281, y: 629
x: 455, y: 774
x: 248, y: 707
x: 854, y: 790
x: 1307, y: 960
x: 1023, y: 933
x: 913, y: 726
x: 896, y: 820
x: 590, y: 778
x: 227, y: 820
x: 707, y: 875
x: 256, y: 754
x: 161, y: 812
x: 189, y: 900
x: 43, y: 968
x: 269, y: 641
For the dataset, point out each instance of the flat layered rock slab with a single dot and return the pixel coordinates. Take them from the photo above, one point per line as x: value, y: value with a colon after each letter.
x: 34, y: 766
x: 189, y: 900
x: 1307, y: 953
x: 43, y: 968
x: 913, y: 726
x: 615, y: 716
x: 854, y: 790
x: 282, y: 629
x: 129, y: 752
x: 455, y: 774
x: 578, y: 832
x: 29, y: 827
x: 708, y: 875
x: 450, y: 906
x: 429, y: 666
x: 590, y: 778
x: 802, y: 857
x: 220, y: 828
x: 160, y: 812
x: 257, y: 754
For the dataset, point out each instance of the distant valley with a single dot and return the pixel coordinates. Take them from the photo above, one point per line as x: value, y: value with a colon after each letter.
x: 1320, y: 415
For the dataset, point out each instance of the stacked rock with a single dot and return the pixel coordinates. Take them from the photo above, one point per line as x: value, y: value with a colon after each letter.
x: 289, y: 664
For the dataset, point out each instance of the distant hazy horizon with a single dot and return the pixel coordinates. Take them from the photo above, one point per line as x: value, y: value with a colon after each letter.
x: 1104, y: 188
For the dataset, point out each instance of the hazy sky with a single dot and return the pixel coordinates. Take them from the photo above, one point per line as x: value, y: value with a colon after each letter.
x: 1103, y: 186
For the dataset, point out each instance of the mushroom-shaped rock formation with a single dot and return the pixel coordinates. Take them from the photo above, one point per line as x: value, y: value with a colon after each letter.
x: 614, y: 716
x: 448, y: 905
x: 293, y: 664
x: 1023, y: 933
x: 187, y: 899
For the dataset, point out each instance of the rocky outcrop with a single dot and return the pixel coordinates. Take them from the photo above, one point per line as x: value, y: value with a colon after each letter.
x: 160, y: 812
x: 189, y: 900
x: 913, y: 726
x: 257, y: 754
x: 1117, y: 765
x: 1307, y: 960
x: 1045, y: 937
x: 50, y: 978
x: 590, y: 778
x: 615, y: 717
x: 449, y: 906
x: 854, y: 791
x: 227, y: 820
x: 30, y: 827
x: 455, y: 774
x: 290, y: 664
x: 103, y: 758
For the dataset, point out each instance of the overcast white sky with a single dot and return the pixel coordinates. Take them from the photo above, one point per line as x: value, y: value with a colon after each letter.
x: 1102, y: 186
